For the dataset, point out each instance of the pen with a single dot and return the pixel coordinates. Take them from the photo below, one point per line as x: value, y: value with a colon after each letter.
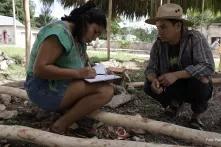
x: 89, y: 65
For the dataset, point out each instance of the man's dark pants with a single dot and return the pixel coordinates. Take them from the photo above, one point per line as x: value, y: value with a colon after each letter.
x: 189, y: 90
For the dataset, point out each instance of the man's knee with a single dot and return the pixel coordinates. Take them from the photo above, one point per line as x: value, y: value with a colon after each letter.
x: 200, y: 91
x: 199, y: 107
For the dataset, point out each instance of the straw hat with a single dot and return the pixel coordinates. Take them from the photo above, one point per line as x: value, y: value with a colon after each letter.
x: 168, y: 11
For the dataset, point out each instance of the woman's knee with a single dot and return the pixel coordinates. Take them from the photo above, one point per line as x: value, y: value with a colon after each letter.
x: 106, y: 92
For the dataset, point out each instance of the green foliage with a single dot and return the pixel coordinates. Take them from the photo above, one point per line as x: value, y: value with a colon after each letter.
x: 18, y: 59
x: 198, y: 18
x: 141, y: 34
x: 124, y: 44
x: 115, y: 28
x: 45, y: 16
x: 125, y: 30
x: 7, y: 10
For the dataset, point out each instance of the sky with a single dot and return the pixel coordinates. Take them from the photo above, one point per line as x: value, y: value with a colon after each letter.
x: 57, y: 10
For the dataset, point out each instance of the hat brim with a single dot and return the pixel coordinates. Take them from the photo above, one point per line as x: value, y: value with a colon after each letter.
x: 153, y: 21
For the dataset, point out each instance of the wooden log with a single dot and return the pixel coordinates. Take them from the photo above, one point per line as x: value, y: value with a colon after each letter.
x: 13, y: 92
x: 158, y: 127
x: 16, y: 84
x: 135, y: 84
x: 50, y: 139
x: 152, y: 126
x: 216, y: 81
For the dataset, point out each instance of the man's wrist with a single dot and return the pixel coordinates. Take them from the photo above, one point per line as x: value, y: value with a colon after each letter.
x: 150, y: 78
x: 182, y: 74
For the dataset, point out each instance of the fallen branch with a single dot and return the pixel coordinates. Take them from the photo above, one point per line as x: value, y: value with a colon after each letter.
x: 135, y: 84
x: 152, y: 126
x: 216, y: 80
x: 158, y: 127
x: 13, y: 92
x: 50, y: 139
x: 17, y: 84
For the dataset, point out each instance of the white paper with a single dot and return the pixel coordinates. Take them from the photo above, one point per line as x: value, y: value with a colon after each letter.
x: 100, y: 69
x: 100, y: 78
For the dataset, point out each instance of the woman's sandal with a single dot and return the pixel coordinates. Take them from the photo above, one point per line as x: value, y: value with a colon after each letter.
x: 50, y: 129
x: 196, y: 124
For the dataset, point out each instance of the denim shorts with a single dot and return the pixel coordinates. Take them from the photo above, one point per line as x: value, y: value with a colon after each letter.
x: 46, y: 94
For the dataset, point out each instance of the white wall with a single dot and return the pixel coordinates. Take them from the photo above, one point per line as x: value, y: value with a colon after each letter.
x: 20, y: 35
x: 214, y: 31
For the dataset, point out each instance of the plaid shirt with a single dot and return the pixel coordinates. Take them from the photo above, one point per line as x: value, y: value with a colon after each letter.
x: 195, y: 56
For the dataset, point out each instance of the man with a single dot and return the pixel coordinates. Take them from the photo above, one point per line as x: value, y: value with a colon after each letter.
x: 180, y: 66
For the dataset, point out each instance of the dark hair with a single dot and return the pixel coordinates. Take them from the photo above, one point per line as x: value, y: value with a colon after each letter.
x: 174, y: 21
x: 85, y: 14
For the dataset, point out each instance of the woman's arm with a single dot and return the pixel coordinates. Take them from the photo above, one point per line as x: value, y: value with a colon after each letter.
x: 49, y: 51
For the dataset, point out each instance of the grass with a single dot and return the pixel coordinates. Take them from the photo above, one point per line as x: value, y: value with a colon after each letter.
x: 14, y: 71
x: 17, y: 71
x: 13, y: 51
x: 97, y: 56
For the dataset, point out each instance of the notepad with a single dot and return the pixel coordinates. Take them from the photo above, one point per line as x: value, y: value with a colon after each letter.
x: 102, y: 75
x: 100, y: 69
x: 101, y: 78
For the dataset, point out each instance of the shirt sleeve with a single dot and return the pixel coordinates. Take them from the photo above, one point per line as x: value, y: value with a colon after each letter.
x: 152, y: 66
x: 60, y: 32
x: 203, y: 63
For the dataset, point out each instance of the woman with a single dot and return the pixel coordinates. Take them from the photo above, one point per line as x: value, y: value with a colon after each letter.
x: 56, y: 71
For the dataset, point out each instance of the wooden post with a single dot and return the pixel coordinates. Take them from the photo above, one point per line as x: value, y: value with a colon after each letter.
x: 27, y: 31
x: 109, y: 28
x: 14, y: 21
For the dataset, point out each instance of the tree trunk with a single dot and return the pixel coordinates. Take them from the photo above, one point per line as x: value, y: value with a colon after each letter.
x: 152, y: 126
x: 109, y: 28
x: 50, y: 139
x: 27, y: 31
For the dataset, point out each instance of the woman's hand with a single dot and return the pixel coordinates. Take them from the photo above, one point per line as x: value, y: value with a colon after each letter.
x: 87, y: 72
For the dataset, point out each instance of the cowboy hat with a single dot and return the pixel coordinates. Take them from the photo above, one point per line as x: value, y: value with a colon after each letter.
x: 168, y: 11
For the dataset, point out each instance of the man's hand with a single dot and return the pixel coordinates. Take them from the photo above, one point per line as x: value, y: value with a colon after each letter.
x: 155, y: 87
x: 167, y: 79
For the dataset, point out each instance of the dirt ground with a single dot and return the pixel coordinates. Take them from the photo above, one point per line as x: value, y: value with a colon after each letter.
x: 30, y: 115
